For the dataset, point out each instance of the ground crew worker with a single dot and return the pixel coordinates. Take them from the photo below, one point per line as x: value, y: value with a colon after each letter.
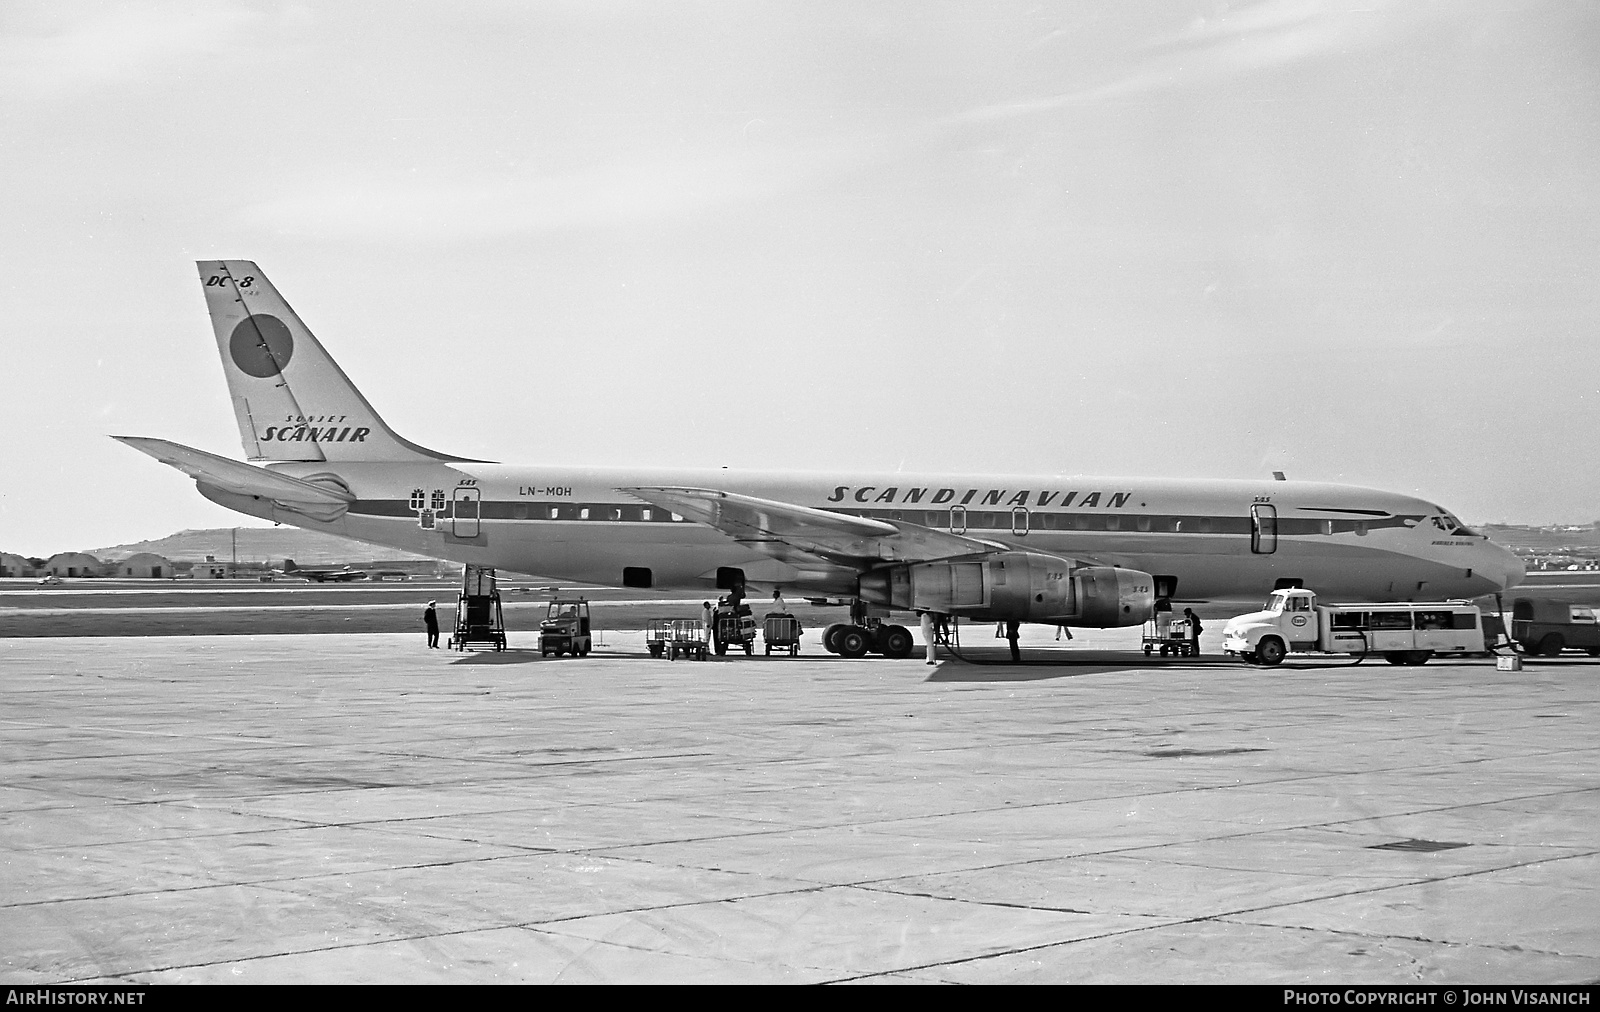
x: 928, y: 637
x: 708, y: 621
x: 430, y: 621
x: 1013, y: 627
x: 1194, y: 630
x: 778, y: 604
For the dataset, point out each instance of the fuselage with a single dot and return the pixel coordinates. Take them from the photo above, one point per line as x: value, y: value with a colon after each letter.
x: 1212, y: 538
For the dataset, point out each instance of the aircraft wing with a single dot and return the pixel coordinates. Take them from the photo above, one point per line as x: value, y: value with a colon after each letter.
x: 773, y: 527
x: 237, y: 476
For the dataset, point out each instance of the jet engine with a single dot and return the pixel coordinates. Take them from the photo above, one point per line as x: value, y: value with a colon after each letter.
x: 1016, y: 586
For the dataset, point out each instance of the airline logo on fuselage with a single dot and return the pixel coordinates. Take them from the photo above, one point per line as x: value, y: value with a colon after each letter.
x: 971, y: 497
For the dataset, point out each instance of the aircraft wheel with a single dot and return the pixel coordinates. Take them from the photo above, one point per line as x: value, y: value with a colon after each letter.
x: 1552, y: 645
x: 1271, y: 651
x: 895, y: 641
x: 830, y: 636
x: 853, y: 642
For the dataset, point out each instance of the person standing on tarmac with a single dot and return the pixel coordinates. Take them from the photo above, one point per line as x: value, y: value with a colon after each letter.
x: 1195, y: 628
x: 430, y: 621
x: 1013, y: 627
x: 928, y: 637
x: 708, y: 620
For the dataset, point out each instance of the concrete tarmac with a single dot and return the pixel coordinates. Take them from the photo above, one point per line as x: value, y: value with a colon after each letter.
x: 358, y: 809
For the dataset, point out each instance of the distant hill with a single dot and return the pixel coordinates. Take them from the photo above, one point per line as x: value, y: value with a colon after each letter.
x: 261, y: 544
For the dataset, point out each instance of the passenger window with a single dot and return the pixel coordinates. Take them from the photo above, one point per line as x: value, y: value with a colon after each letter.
x: 644, y: 514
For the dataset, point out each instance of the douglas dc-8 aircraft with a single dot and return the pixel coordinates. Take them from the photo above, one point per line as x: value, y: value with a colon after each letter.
x: 1057, y: 549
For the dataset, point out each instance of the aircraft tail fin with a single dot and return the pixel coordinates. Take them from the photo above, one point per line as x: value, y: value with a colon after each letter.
x: 290, y: 397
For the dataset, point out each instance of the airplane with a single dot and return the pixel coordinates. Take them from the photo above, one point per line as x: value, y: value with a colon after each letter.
x: 343, y: 575
x: 1057, y: 549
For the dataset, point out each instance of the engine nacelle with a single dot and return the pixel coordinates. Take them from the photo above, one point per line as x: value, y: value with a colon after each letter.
x: 1016, y: 586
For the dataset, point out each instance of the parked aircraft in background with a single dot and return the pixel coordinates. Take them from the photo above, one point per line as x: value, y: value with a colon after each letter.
x: 344, y: 574
x: 1050, y: 548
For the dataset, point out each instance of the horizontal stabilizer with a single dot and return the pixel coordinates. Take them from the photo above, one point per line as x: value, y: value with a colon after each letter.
x: 236, y: 476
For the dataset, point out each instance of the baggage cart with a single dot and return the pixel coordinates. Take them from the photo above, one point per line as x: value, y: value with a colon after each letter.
x: 781, y: 630
x: 735, y: 629
x: 688, y: 640
x: 1169, y: 635
x: 658, y: 635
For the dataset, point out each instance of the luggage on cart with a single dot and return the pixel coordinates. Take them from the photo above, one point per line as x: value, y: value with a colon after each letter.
x: 479, y: 618
x: 781, y: 630
x: 1169, y: 635
x: 735, y: 628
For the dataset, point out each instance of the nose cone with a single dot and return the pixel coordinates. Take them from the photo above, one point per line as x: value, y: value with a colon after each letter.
x: 1502, y: 567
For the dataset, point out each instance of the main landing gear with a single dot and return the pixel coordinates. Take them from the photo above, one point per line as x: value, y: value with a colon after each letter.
x: 865, y: 634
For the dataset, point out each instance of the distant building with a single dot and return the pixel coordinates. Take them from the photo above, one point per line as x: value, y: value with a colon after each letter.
x: 12, y: 566
x: 142, y: 566
x: 73, y: 564
x: 211, y: 569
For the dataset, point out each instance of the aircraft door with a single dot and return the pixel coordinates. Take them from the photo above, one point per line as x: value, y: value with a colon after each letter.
x: 1263, y: 528
x: 958, y: 520
x: 464, y: 517
x: 1019, y: 521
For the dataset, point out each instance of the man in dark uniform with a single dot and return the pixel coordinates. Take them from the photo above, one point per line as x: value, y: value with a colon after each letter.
x: 1195, y: 629
x: 430, y: 619
x: 1013, y: 627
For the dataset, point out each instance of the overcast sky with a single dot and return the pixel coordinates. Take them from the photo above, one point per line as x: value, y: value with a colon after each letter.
x: 1356, y: 242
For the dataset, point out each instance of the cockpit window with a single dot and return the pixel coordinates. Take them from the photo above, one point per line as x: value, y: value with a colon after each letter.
x: 1453, y: 527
